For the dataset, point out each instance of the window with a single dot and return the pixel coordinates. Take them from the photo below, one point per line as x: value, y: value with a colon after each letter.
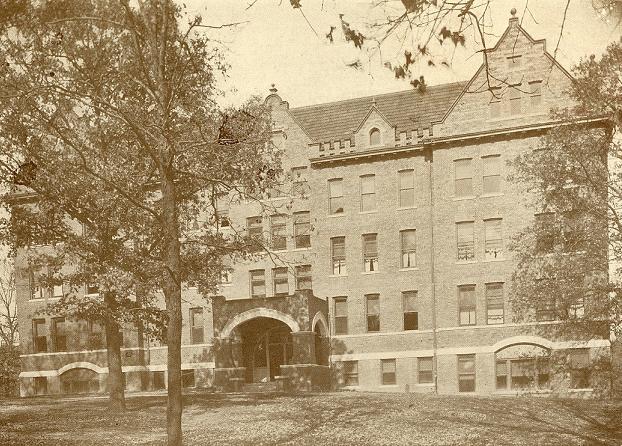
x: 579, y: 360
x: 374, y: 137
x: 466, y: 242
x: 425, y: 373
x: 522, y: 367
x: 91, y: 288
x: 187, y: 378
x: 36, y: 290
x: 335, y: 196
x: 299, y: 182
x: 158, y: 381
x: 515, y: 101
x: 57, y: 291
x: 535, y: 93
x: 278, y: 232
x: 303, y: 277
x: 495, y: 103
x: 547, y: 235
x: 406, y: 180
x: 494, y: 303
x: 196, y: 326
x: 491, y: 180
x: 338, y: 255
x: 373, y: 312
x: 60, y: 336
x: 388, y: 371
x: 350, y: 373
x: 279, y: 280
x: 493, y: 242
x: 258, y: 283
x: 302, y: 229
x: 254, y: 227
x: 411, y: 316
x: 39, y: 336
x: 573, y: 231
x: 226, y: 275
x: 41, y: 385
x: 466, y: 304
x: 368, y: 193
x: 96, y: 336
x: 546, y: 309
x: 370, y: 253
x: 466, y: 373
x: 341, y: 315
x: 222, y: 212
x: 408, y: 241
x: 463, y: 178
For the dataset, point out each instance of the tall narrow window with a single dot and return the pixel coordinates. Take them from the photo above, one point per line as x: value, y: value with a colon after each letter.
x: 466, y: 373
x: 373, y: 312
x: 335, y: 196
x: 515, y: 101
x: 406, y: 180
x: 466, y: 242
x: 579, y: 360
x: 370, y: 252
x: 493, y: 244
x: 299, y: 181
x: 425, y: 372
x: 60, y: 335
x: 39, y: 335
x: 495, y: 103
x: 303, y: 277
x: 491, y: 180
x: 196, y: 325
x: 388, y: 371
x: 374, y: 137
x: 411, y: 316
x: 535, y: 93
x: 222, y: 212
x: 546, y: 309
x: 341, y: 315
x: 466, y: 304
x: 302, y: 229
x: 57, y: 290
x: 280, y: 282
x: 350, y: 373
x: 547, y: 232
x: 408, y: 240
x: 338, y: 254
x: 463, y: 178
x: 278, y: 232
x: 96, y: 338
x: 254, y: 227
x: 368, y: 193
x: 258, y: 283
x: 36, y: 290
x: 494, y: 303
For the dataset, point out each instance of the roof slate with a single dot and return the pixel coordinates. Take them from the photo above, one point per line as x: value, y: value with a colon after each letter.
x: 407, y: 110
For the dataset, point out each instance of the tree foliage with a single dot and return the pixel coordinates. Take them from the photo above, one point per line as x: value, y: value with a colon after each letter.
x: 569, y: 258
x: 109, y: 116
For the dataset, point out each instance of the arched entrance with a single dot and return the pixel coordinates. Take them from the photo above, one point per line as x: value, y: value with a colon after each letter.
x: 266, y: 346
x: 79, y: 380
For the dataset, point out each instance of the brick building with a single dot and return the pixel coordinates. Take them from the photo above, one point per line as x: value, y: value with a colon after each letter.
x: 398, y: 232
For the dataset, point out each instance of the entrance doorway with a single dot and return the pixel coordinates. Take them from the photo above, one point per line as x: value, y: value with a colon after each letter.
x: 266, y: 345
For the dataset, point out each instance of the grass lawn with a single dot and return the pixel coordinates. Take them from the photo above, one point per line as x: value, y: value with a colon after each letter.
x: 345, y: 418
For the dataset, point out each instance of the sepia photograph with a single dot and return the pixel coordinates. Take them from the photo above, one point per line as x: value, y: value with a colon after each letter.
x: 311, y: 222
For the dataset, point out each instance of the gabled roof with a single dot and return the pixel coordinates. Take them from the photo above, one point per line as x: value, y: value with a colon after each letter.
x: 406, y: 110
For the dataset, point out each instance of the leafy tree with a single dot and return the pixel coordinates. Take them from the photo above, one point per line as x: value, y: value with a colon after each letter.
x: 8, y: 309
x: 569, y: 258
x: 109, y: 107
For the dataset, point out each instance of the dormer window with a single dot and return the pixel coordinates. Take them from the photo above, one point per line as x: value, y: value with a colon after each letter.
x: 374, y: 137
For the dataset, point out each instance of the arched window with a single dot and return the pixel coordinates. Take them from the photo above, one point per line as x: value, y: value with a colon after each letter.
x: 374, y: 137
x: 522, y: 367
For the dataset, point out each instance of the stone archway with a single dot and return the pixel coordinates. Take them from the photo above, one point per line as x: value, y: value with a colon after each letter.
x: 254, y: 313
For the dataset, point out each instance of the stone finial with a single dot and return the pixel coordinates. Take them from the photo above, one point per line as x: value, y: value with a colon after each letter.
x: 273, y: 89
x: 513, y: 12
x: 373, y: 101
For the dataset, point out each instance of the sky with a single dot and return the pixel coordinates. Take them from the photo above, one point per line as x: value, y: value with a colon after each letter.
x: 277, y: 45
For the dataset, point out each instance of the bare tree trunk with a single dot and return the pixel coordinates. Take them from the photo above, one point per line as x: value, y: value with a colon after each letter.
x: 172, y: 294
x: 113, y: 351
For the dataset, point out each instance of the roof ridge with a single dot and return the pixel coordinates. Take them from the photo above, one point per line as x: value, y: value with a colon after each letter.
x: 360, y: 98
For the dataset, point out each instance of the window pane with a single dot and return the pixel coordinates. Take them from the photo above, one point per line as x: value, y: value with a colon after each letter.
x: 406, y: 180
x: 466, y: 244
x: 370, y: 252
x: 493, y: 246
x: 492, y: 165
x: 410, y: 299
x: 463, y: 169
x: 279, y: 276
x: 335, y: 192
x: 466, y: 305
x: 374, y: 137
x: 302, y: 229
x: 494, y: 303
x: 341, y: 307
x: 303, y: 277
x: 388, y: 371
x: 368, y: 195
x: 373, y: 312
x: 425, y: 370
x: 515, y: 101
